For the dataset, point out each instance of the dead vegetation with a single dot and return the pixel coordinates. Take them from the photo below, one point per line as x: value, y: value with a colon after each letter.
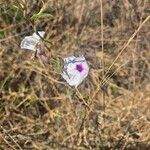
x: 110, y: 110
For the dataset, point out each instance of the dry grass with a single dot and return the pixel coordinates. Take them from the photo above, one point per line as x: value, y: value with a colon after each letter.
x: 110, y: 110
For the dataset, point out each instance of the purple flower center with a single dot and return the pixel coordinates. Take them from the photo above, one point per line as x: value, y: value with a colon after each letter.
x: 79, y: 67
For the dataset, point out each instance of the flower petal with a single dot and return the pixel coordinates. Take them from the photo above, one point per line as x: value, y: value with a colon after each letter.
x: 41, y: 33
x: 72, y: 74
x: 29, y: 42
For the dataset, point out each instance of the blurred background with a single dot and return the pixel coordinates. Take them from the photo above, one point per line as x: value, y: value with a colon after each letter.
x: 110, y: 109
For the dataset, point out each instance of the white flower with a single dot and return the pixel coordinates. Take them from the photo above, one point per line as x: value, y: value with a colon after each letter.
x: 30, y: 42
x: 75, y: 70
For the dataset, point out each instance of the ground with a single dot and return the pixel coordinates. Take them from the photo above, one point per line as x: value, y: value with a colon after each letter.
x: 110, y: 109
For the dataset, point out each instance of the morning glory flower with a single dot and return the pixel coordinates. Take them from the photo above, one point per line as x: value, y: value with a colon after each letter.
x: 33, y: 43
x: 75, y: 70
x: 30, y: 42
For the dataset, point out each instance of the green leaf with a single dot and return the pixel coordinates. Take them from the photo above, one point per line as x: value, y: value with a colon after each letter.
x: 41, y: 16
